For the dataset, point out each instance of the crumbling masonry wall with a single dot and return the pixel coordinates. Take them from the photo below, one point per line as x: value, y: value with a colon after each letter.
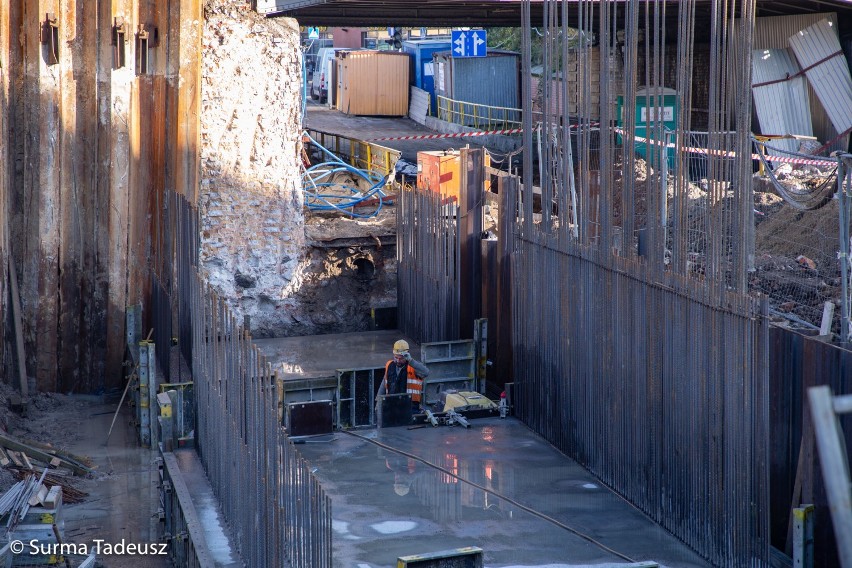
x: 250, y: 198
x: 254, y: 248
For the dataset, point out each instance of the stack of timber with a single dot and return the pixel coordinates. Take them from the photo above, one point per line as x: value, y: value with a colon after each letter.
x: 56, y: 468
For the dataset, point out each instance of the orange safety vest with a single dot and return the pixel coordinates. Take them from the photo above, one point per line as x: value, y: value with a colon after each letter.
x: 414, y: 385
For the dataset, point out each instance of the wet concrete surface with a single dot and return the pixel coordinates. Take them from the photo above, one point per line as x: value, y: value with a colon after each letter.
x: 123, y: 497
x: 316, y: 356
x: 320, y: 117
x: 207, y: 508
x: 386, y: 505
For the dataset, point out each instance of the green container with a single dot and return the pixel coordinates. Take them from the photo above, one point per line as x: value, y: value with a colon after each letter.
x: 666, y: 109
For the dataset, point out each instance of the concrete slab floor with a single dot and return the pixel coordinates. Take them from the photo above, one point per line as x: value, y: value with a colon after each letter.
x: 123, y: 498
x: 386, y: 505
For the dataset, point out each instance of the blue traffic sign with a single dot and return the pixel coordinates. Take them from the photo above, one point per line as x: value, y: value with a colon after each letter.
x: 469, y: 43
x: 313, y: 33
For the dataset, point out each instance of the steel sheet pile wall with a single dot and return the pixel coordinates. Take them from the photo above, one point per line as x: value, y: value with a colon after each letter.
x: 161, y: 310
x: 186, y: 251
x: 648, y: 371
x: 275, y: 506
x: 428, y: 271
x: 90, y: 138
x: 796, y: 477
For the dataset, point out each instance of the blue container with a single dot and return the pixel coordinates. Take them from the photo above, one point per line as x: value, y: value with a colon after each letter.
x: 423, y: 73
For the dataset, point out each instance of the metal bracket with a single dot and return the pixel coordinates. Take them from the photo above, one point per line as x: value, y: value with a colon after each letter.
x: 119, y: 39
x: 147, y: 37
x: 50, y: 37
x: 142, y: 45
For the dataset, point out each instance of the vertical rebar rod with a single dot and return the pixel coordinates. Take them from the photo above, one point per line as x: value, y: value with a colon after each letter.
x: 842, y: 172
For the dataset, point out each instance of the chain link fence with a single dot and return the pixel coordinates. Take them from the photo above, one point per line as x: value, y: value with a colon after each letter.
x: 797, y: 225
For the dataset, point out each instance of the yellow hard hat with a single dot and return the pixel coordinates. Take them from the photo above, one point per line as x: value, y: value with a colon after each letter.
x: 400, y: 347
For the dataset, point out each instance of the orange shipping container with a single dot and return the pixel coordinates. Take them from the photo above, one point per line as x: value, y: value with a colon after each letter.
x: 373, y: 83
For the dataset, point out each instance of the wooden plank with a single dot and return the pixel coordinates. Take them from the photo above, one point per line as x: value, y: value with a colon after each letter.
x: 38, y: 496
x: 835, y: 468
x: 16, y: 458
x: 53, y: 499
x: 16, y: 446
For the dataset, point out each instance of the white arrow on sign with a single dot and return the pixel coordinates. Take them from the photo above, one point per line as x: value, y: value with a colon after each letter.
x: 477, y: 42
x: 460, y: 44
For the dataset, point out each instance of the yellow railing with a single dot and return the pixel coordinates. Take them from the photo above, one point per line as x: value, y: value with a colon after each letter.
x: 482, y: 117
x: 359, y: 153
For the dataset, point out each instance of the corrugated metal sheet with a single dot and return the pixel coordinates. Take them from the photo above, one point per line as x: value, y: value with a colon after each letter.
x: 818, y: 45
x: 773, y: 33
x: 782, y: 108
x: 464, y: 78
x: 373, y: 83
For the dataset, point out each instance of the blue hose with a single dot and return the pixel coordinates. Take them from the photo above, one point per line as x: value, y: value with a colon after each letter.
x: 317, y: 177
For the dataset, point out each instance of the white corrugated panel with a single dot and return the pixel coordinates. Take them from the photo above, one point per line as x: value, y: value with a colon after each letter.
x: 830, y: 79
x: 783, y: 107
x: 418, y: 107
x: 772, y: 33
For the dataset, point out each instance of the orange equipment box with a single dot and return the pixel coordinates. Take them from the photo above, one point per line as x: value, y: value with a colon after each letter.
x: 440, y: 171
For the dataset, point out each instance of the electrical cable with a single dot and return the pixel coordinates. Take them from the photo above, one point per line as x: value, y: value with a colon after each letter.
x: 496, y: 494
x: 321, y: 175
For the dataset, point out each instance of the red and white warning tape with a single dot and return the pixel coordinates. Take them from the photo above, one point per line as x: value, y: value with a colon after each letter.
x: 730, y: 154
x: 454, y: 135
x: 466, y: 134
x: 722, y: 153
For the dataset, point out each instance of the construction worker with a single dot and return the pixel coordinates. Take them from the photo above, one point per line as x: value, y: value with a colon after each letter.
x: 403, y: 374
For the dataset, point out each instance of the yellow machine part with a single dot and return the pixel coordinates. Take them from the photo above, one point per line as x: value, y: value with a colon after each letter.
x: 467, y: 400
